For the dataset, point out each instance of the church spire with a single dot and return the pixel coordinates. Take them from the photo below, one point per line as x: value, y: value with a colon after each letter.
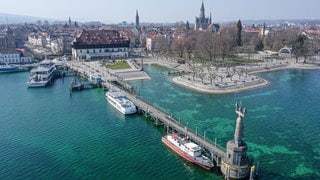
x: 69, y: 21
x: 264, y: 29
x: 202, y: 15
x: 137, y: 19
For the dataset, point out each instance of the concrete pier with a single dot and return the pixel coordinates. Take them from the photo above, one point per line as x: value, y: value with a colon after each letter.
x: 237, y: 148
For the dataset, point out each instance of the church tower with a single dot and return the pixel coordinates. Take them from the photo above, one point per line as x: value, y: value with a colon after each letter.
x: 202, y: 22
x: 70, y: 22
x: 137, y: 20
x: 236, y: 164
x: 202, y: 15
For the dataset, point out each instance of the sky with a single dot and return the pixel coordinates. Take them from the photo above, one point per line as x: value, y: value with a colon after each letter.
x: 115, y: 11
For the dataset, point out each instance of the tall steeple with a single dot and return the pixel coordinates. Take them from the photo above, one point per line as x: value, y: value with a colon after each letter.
x: 264, y: 29
x: 210, y: 19
x: 137, y: 20
x: 69, y: 21
x: 202, y: 15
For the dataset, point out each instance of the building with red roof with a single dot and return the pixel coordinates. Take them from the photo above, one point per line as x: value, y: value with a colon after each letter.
x: 100, y: 44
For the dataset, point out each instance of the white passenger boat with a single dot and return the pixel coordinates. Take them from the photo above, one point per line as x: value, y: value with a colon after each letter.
x: 8, y: 68
x: 42, y: 75
x: 120, y: 102
x: 187, y: 149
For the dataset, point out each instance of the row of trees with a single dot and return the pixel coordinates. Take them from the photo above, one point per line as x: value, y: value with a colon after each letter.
x: 230, y: 40
x: 205, y: 45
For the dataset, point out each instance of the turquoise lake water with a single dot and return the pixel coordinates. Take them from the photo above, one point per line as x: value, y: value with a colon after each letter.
x: 46, y: 134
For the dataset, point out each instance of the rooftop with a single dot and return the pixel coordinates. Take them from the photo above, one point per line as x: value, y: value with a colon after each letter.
x: 99, y: 37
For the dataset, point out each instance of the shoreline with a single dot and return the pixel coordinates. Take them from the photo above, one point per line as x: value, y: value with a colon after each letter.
x: 236, y: 88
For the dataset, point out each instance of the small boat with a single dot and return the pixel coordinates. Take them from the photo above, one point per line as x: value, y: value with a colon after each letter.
x: 76, y: 86
x: 95, y: 79
x: 120, y: 102
x: 9, y: 68
x: 188, y: 150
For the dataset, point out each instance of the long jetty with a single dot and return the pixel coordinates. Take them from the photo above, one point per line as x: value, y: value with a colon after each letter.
x: 160, y: 116
x: 147, y: 109
x: 236, y: 167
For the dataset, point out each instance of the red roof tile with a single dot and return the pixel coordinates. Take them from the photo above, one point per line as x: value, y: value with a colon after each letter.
x: 99, y: 37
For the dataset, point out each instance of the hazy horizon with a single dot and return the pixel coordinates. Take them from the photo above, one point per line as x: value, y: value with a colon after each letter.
x: 162, y: 11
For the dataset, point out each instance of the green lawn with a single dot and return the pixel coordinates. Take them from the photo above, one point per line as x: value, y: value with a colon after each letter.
x: 118, y: 65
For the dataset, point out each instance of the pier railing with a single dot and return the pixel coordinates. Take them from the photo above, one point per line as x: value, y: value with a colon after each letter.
x: 148, y: 109
x: 157, y: 114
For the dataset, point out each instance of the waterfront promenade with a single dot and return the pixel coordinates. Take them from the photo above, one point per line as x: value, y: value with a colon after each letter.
x: 223, y: 80
x: 97, y: 69
x: 216, y: 81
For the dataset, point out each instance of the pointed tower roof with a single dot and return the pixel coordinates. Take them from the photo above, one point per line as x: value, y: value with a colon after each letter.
x: 202, y: 15
x: 137, y: 21
x: 202, y: 6
x: 69, y: 21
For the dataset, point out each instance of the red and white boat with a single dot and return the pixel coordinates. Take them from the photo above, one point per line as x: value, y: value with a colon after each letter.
x: 188, y: 150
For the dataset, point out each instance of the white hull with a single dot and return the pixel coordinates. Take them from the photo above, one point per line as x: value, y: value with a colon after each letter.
x: 188, y: 150
x: 42, y: 75
x: 11, y: 69
x: 32, y: 83
x: 120, y: 102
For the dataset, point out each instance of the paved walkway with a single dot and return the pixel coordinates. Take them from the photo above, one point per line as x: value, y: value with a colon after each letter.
x: 95, y: 68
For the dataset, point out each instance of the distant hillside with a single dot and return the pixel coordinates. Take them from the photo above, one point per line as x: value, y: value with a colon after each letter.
x: 283, y: 21
x: 19, y: 19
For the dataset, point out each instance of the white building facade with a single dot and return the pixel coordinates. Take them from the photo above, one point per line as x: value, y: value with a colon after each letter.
x: 14, y: 58
x: 99, y: 44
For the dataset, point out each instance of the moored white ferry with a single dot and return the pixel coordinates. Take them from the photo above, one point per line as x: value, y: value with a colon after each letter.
x: 188, y: 150
x: 8, y: 68
x: 120, y: 102
x: 42, y: 75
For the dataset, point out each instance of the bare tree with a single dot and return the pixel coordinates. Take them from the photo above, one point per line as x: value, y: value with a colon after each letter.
x: 300, y: 48
x: 225, y: 42
x: 193, y: 69
x: 221, y: 76
x: 285, y: 37
x: 201, y: 75
x: 212, y: 76
x: 205, y: 45
x: 179, y: 45
x: 209, y: 45
x: 230, y: 72
x: 190, y: 45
